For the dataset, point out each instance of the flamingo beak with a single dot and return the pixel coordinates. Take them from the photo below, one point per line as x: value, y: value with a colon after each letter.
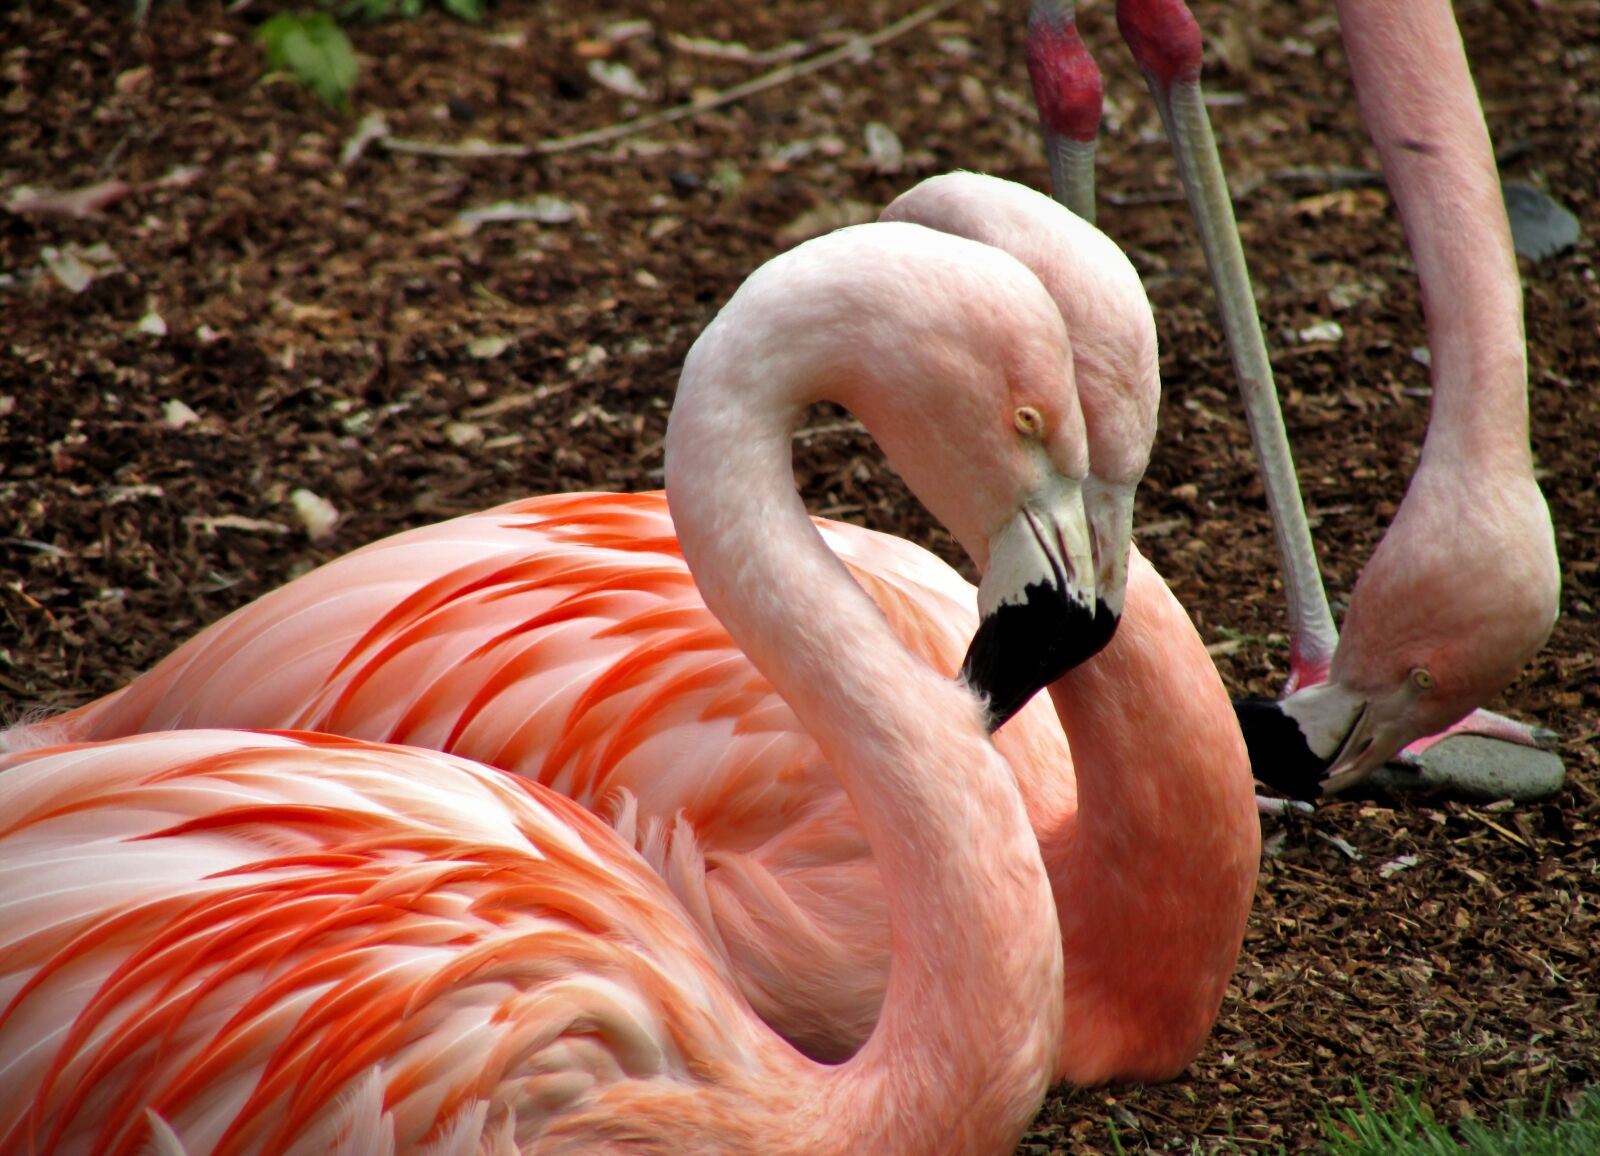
x: 1109, y: 508
x: 1036, y: 604
x: 1325, y: 738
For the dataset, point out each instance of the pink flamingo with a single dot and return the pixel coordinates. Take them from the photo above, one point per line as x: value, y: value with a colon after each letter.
x: 1462, y: 590
x: 561, y: 638
x: 228, y: 942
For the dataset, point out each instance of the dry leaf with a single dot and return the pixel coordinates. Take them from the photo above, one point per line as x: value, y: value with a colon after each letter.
x: 1394, y: 866
x: 545, y: 209
x: 176, y: 415
x: 619, y: 78
x: 825, y: 218
x: 79, y: 204
x: 317, y: 515
x: 488, y: 347
x: 883, y: 148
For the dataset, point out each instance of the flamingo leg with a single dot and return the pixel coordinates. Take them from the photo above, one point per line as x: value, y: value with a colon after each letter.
x: 1267, y: 805
x: 1165, y: 41
x: 1485, y: 724
x: 1068, y: 93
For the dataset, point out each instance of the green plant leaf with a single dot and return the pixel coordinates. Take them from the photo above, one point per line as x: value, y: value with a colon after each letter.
x: 1408, y: 1128
x: 371, y: 11
x: 312, y: 48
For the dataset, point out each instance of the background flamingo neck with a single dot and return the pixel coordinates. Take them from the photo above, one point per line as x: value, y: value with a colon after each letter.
x: 962, y: 1048
x: 1420, y: 106
x: 1155, y: 873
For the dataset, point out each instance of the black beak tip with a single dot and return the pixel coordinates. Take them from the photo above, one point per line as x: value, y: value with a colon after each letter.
x: 1104, y: 629
x: 1279, y: 754
x: 1022, y: 647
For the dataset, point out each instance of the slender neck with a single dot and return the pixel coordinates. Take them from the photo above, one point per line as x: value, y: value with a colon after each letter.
x: 1420, y: 106
x: 1156, y: 869
x: 959, y: 1058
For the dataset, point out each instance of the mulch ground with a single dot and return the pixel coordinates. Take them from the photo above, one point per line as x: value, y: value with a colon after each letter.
x: 333, y: 327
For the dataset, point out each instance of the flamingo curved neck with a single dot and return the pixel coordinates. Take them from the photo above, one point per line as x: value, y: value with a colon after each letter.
x: 1419, y: 103
x: 1161, y: 854
x: 939, y: 807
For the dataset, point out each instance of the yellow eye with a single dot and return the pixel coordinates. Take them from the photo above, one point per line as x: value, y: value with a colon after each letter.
x: 1422, y: 678
x: 1029, y: 421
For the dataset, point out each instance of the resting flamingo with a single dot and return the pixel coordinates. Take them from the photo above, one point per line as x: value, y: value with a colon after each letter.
x: 222, y: 942
x: 562, y: 639
x: 1463, y: 588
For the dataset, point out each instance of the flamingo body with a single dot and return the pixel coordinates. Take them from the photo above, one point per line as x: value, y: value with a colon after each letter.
x: 216, y: 941
x: 559, y: 637
x: 562, y: 638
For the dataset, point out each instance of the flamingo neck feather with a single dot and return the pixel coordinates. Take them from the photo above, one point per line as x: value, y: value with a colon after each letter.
x: 1419, y: 103
x: 966, y: 1031
x: 1155, y: 869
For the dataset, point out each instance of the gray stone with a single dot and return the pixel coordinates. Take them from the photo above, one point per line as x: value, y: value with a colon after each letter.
x: 1540, y: 227
x: 1475, y: 767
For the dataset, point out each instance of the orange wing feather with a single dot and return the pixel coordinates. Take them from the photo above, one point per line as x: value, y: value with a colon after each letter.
x: 562, y: 638
x: 239, y: 931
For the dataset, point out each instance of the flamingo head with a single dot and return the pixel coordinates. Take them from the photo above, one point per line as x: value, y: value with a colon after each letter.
x: 1038, y: 615
x: 1457, y: 598
x: 1013, y: 492
x: 957, y: 360
x: 1100, y: 297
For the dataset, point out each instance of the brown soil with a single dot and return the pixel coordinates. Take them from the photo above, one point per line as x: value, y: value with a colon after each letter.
x: 321, y: 322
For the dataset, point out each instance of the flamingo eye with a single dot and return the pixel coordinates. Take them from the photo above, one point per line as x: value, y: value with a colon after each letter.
x: 1422, y: 678
x: 1029, y: 421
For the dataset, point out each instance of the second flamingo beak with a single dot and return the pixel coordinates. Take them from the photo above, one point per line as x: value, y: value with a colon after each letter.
x: 1293, y: 741
x: 1109, y: 509
x: 1325, y: 737
x: 1036, y: 603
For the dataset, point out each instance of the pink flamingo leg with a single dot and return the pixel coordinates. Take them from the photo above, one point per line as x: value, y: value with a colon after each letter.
x: 1485, y: 724
x: 1165, y: 41
x: 1068, y: 93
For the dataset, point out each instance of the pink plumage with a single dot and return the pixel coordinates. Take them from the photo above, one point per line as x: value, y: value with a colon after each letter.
x: 562, y: 638
x: 240, y: 933
x: 219, y: 941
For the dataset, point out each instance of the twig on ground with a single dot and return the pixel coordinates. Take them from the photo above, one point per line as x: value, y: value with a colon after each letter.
x: 465, y: 150
x: 773, y: 79
x: 735, y: 53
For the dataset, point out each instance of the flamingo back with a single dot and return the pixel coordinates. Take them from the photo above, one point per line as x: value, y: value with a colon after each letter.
x: 563, y: 639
